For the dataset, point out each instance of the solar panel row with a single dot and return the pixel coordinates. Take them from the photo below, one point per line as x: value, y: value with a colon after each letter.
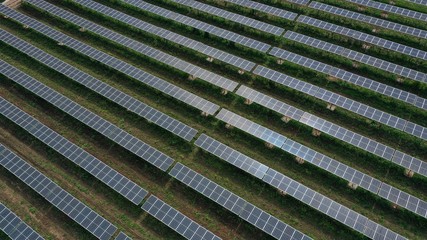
x: 294, y: 189
x: 54, y: 194
x: 176, y: 220
x: 200, y: 25
x: 393, y: 9
x: 176, y: 127
x: 347, y: 76
x: 265, y: 8
x: 329, y: 128
x: 357, y: 56
x: 63, y: 146
x: 169, y: 35
x: 143, y: 49
x: 114, y: 63
x: 235, y: 204
x: 122, y: 236
x: 341, y: 101
x: 421, y: 2
x: 321, y: 160
x: 368, y: 19
x: 98, y: 124
x: 329, y: 207
x: 352, y: 175
x: 300, y: 2
x: 14, y: 227
x: 380, y: 42
x: 249, y: 22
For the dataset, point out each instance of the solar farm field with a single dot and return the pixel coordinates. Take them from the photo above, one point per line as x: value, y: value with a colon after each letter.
x: 213, y: 119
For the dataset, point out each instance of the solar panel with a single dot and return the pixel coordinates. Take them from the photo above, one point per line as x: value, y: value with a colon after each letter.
x: 341, y: 101
x: 75, y: 154
x: 122, y: 236
x: 143, y: 49
x: 218, y: 12
x: 368, y: 19
x: 393, y: 9
x: 269, y: 102
x: 237, y: 205
x: 403, y: 199
x: 380, y: 42
x: 58, y: 197
x: 231, y: 156
x: 114, y: 63
x: 346, y: 76
x: 329, y: 207
x: 252, y: 128
x: 176, y: 220
x: 126, y: 101
x: 348, y: 136
x: 421, y: 2
x: 194, y: 23
x: 107, y: 129
x: 265, y: 8
x: 300, y: 2
x: 14, y: 227
x: 169, y: 35
x: 357, y: 56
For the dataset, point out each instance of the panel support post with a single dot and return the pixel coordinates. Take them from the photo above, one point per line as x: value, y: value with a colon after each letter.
x: 352, y: 185
x: 286, y: 119
x: 315, y: 132
x: 409, y: 173
x: 331, y: 106
x: 299, y: 160
x: 269, y: 145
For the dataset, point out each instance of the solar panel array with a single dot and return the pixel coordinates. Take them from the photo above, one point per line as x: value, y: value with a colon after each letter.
x: 54, y: 194
x: 265, y: 8
x: 329, y: 207
x: 176, y: 220
x: 176, y: 127
x: 392, y: 9
x: 380, y: 42
x: 114, y: 63
x: 252, y: 128
x: 122, y: 236
x: 368, y: 19
x: 296, y: 190
x: 14, y: 227
x: 235, y: 204
x: 307, y: 154
x: 169, y: 35
x: 202, y: 26
x: 329, y: 128
x: 245, y: 21
x: 341, y: 101
x: 300, y: 2
x: 231, y: 156
x: 421, y: 2
x: 107, y: 129
x: 352, y: 175
x: 158, y: 55
x: 66, y: 148
x: 357, y: 56
x: 347, y: 76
